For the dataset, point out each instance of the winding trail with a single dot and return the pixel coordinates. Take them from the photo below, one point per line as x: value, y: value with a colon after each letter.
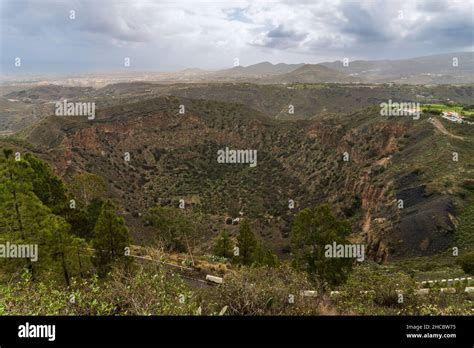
x: 438, y: 125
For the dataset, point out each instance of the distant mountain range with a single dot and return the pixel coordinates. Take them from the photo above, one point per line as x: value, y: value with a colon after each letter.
x: 449, y: 68
x: 264, y: 69
x: 313, y: 73
x: 437, y: 69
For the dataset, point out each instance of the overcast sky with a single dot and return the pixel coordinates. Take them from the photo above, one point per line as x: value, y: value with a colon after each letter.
x: 172, y: 35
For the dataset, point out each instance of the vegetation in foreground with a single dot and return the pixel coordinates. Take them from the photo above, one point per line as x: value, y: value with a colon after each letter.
x: 84, y: 265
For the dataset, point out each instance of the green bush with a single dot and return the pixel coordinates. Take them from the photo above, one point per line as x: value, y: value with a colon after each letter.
x: 373, y: 291
x: 264, y: 291
x: 466, y: 262
x: 139, y: 292
x: 369, y: 291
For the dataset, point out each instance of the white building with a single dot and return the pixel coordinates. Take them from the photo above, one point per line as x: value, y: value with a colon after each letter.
x: 452, y: 116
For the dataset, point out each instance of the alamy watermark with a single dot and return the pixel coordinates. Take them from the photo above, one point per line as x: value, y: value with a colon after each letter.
x: 65, y: 108
x: 354, y: 251
x: 37, y: 331
x: 237, y: 156
x: 27, y: 251
x: 400, y: 109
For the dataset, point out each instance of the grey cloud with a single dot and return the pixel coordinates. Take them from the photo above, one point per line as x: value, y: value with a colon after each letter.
x: 431, y: 6
x: 283, y: 38
x: 363, y: 25
x: 446, y: 34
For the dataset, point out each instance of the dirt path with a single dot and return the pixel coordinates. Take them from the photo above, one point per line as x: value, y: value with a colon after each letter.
x: 443, y: 130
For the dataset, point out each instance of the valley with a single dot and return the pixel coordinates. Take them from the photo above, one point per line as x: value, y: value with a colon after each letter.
x: 300, y: 157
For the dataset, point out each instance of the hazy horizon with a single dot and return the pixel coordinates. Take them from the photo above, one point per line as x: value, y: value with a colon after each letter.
x: 23, y: 74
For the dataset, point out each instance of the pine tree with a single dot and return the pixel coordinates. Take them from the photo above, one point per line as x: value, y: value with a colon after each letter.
x: 49, y: 188
x: 66, y: 248
x: 224, y: 247
x: 312, y: 230
x: 110, y: 238
x: 247, y: 243
x: 52, y: 192
x: 23, y: 218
